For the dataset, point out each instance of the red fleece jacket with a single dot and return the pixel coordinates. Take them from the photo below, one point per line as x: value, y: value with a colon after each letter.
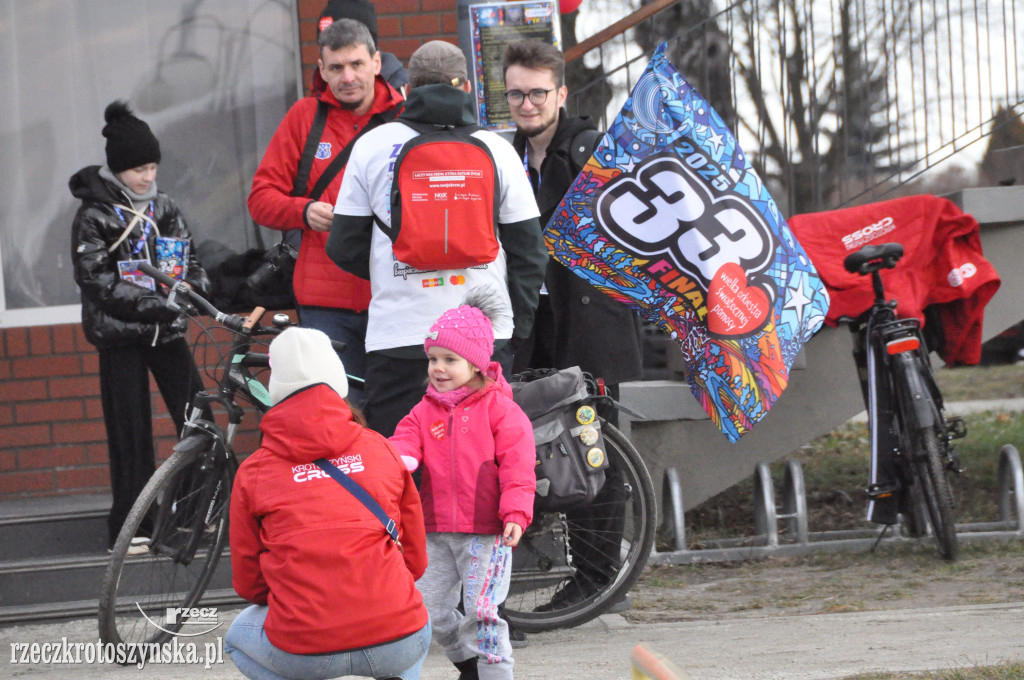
x: 942, y: 265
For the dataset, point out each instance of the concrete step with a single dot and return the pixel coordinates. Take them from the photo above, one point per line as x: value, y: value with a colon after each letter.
x: 53, y: 526
x: 53, y: 555
x: 57, y: 587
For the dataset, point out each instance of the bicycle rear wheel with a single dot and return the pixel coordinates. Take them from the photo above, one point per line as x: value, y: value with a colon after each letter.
x: 183, y: 509
x: 912, y: 509
x: 933, y: 476
x: 571, y: 567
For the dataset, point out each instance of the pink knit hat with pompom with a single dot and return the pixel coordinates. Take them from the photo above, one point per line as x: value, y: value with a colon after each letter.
x: 467, y: 331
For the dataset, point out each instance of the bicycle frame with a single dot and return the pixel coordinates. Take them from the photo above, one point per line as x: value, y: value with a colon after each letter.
x: 909, y: 435
x: 891, y: 379
x: 237, y: 379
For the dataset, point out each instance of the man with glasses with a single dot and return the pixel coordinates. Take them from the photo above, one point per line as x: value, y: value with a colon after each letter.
x: 575, y: 324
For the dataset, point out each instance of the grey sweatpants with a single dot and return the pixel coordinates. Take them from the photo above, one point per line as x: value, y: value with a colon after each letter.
x: 478, y: 567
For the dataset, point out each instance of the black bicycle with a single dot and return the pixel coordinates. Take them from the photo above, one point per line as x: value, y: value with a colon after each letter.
x: 912, y: 455
x: 165, y: 558
x: 151, y: 590
x: 573, y: 566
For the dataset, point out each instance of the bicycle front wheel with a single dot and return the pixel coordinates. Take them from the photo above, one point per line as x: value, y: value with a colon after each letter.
x: 183, y: 511
x: 933, y: 476
x: 572, y: 567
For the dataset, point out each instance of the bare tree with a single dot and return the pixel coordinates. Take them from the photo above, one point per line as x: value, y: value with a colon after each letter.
x: 697, y: 47
x: 810, y: 82
x: 1003, y: 162
x: 589, y: 90
x: 826, y: 126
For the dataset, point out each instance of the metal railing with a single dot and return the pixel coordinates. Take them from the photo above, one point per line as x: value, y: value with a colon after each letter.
x: 836, y: 102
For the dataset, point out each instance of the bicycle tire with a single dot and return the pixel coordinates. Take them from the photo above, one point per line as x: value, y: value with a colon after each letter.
x: 539, y: 577
x: 137, y: 590
x: 929, y: 465
x: 912, y: 506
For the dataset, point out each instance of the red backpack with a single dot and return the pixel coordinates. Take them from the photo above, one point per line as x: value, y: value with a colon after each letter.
x: 444, y: 200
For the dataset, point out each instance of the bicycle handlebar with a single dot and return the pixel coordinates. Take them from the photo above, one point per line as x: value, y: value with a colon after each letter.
x: 231, y: 321
x: 234, y: 322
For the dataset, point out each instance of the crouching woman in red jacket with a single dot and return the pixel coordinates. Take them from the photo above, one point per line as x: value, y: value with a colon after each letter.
x: 333, y: 594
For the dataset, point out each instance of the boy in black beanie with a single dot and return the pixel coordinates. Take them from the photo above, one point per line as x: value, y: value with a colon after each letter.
x: 123, y: 220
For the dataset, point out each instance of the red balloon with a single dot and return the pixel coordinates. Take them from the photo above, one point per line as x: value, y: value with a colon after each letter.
x: 566, y: 6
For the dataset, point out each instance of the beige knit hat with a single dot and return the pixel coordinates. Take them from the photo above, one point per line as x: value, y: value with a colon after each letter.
x: 301, y: 358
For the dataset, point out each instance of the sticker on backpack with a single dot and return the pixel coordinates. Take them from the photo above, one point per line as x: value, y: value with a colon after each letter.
x: 444, y: 200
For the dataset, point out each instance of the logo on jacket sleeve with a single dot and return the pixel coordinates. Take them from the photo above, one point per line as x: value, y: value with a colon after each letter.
x: 437, y: 430
x: 323, y: 151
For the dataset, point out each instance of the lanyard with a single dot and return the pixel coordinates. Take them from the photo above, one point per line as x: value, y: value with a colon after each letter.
x: 146, y: 225
x: 526, y: 167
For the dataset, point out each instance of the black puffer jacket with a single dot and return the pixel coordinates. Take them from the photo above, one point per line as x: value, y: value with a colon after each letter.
x: 116, y: 312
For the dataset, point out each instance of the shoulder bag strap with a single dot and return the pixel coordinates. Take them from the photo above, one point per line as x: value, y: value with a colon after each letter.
x: 301, y: 182
x: 362, y: 496
x: 341, y: 159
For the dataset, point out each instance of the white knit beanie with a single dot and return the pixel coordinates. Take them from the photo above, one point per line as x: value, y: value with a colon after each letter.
x: 300, y: 357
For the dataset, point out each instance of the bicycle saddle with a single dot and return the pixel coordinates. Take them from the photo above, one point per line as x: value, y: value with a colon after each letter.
x: 874, y: 257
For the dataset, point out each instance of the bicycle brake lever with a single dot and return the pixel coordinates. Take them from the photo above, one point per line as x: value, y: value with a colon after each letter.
x: 182, y: 305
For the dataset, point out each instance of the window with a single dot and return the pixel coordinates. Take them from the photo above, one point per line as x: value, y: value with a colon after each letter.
x: 213, y: 78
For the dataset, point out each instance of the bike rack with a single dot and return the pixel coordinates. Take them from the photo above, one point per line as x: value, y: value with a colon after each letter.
x: 793, y: 518
x: 774, y: 523
x: 1011, y: 488
x: 673, y: 518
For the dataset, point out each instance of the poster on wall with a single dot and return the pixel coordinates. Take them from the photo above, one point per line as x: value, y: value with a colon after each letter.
x: 492, y: 27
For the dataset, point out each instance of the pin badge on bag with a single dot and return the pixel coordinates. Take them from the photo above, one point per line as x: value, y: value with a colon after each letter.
x: 589, y: 436
x: 585, y: 415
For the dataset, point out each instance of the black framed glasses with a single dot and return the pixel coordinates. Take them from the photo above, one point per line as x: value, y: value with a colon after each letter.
x: 537, y: 97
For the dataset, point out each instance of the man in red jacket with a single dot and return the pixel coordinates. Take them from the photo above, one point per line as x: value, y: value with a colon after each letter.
x: 349, y: 97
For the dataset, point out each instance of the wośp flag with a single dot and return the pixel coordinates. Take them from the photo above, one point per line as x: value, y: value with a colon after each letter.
x: 669, y: 217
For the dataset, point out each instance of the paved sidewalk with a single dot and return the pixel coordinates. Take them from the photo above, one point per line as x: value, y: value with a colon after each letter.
x: 960, y: 408
x: 817, y: 647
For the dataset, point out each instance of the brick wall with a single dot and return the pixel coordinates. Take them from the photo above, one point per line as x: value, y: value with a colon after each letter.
x: 52, y: 437
x: 402, y: 26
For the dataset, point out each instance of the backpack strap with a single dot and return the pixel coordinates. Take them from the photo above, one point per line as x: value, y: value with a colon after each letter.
x: 428, y: 128
x: 582, y: 147
x: 341, y: 160
x: 316, y: 131
x: 362, y: 496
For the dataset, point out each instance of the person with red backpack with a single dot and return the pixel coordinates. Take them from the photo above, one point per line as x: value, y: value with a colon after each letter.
x: 297, y: 181
x: 432, y: 206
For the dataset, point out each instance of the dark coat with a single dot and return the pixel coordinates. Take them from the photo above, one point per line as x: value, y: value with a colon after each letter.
x: 586, y: 328
x: 116, y: 312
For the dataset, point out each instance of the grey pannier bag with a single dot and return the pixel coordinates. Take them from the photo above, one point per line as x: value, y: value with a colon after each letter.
x: 571, y: 457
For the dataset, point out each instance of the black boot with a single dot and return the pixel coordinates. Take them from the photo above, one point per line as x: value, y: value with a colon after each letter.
x: 467, y: 669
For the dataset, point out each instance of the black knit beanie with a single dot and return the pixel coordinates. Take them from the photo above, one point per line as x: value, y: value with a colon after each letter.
x: 130, y: 142
x: 359, y: 10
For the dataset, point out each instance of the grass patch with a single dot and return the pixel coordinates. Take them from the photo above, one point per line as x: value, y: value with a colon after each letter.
x: 835, y: 466
x: 969, y: 383
x: 1007, y: 671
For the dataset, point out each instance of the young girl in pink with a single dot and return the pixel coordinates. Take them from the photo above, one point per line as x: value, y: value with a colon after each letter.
x: 476, y: 448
